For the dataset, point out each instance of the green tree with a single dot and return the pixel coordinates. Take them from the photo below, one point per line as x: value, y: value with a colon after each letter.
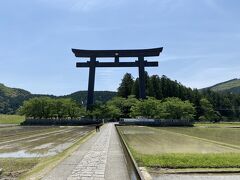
x: 145, y: 108
x: 175, y: 108
x: 113, y: 112
x: 209, y: 114
x: 135, y: 88
x: 155, y: 84
x: 126, y: 85
x: 45, y: 107
x: 123, y: 104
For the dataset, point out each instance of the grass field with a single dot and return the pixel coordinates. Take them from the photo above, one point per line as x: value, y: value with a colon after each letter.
x: 220, y: 124
x: 197, y: 147
x: 11, y: 119
x: 30, y: 145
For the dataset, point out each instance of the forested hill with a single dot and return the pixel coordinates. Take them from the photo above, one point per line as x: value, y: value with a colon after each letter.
x: 231, y: 86
x: 99, y: 96
x: 12, y: 98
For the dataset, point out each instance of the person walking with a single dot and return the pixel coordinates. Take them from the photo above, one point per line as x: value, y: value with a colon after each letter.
x: 98, y: 128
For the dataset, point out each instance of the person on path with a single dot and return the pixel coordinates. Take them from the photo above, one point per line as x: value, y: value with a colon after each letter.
x: 98, y: 128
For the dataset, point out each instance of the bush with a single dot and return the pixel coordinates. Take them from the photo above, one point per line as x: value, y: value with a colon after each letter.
x: 45, y: 107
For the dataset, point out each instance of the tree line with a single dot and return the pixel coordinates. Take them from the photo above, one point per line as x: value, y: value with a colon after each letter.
x: 118, y: 107
x: 51, y: 108
x: 167, y: 99
x: 225, y: 106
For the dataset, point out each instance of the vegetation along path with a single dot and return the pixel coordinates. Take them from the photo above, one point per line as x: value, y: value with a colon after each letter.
x: 101, y: 157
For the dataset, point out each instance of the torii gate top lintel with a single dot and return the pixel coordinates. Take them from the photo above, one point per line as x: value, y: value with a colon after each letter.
x: 119, y: 53
x: 92, y: 64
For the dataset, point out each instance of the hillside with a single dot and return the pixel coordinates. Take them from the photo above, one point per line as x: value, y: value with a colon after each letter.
x: 231, y: 86
x: 99, y: 96
x: 12, y: 98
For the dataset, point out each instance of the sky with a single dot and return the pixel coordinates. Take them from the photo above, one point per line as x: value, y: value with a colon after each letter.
x: 200, y: 40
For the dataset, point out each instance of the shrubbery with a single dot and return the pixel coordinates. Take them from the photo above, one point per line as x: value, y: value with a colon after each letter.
x: 50, y: 108
x: 169, y: 108
x: 118, y: 107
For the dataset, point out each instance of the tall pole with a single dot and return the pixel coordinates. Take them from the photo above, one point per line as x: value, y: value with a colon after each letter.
x: 142, y: 92
x: 91, y: 80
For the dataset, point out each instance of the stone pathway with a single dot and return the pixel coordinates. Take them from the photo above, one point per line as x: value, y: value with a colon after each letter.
x: 99, y: 158
x: 94, y: 162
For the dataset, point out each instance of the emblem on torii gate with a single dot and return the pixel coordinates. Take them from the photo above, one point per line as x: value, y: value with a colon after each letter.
x: 141, y: 63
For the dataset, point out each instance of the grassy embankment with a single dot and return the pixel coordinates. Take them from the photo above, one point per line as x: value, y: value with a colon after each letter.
x: 184, y: 147
x: 11, y: 119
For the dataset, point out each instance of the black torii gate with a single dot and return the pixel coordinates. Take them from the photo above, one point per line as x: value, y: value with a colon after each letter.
x: 141, y: 63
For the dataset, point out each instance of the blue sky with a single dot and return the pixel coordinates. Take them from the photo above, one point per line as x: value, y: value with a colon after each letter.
x: 201, y: 41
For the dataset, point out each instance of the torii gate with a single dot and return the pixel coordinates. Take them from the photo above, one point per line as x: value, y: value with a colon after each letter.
x: 141, y: 63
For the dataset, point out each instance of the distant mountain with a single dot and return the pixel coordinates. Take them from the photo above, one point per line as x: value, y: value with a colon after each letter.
x: 231, y: 86
x: 99, y: 96
x: 12, y: 98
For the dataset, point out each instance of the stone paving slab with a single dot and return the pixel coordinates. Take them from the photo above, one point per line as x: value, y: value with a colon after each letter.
x: 99, y: 158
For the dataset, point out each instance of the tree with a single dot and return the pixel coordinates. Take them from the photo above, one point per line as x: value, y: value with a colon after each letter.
x: 126, y: 85
x: 175, y: 108
x: 112, y: 112
x: 156, y: 90
x: 146, y: 108
x: 208, y: 112
x: 135, y: 88
x: 45, y: 107
x: 123, y: 104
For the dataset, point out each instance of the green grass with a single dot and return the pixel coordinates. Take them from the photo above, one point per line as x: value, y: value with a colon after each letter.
x: 174, y: 161
x: 13, y: 167
x: 11, y: 119
x: 220, y: 124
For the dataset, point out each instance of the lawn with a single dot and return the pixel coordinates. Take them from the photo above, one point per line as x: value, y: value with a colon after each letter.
x: 11, y: 119
x: 183, y: 147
